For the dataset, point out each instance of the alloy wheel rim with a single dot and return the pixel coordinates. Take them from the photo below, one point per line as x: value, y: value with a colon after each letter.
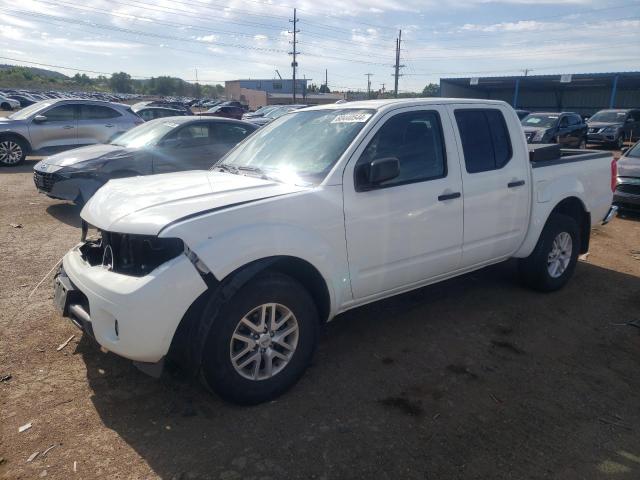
x: 10, y: 152
x: 264, y: 341
x: 560, y: 255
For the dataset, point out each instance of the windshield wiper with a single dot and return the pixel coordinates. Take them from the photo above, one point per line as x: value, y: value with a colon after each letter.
x: 226, y: 168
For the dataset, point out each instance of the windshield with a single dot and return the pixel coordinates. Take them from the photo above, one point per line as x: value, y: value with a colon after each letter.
x: 278, y: 112
x: 28, y: 111
x: 300, y: 147
x: 608, y: 117
x: 540, y: 120
x: 634, y: 151
x: 145, y: 135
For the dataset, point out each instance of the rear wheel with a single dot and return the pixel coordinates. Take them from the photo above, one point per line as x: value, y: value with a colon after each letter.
x: 12, y: 151
x: 5, y: 106
x: 261, y: 341
x: 553, y: 261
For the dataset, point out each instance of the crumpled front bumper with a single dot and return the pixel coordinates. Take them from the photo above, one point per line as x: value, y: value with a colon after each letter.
x: 134, y: 317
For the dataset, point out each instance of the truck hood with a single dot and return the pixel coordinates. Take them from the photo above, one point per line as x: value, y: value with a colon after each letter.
x: 82, y: 154
x: 144, y: 205
x: 629, y: 167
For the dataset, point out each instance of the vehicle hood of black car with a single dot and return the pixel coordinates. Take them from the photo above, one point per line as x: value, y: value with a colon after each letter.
x: 603, y: 124
x: 92, y: 152
x: 534, y: 129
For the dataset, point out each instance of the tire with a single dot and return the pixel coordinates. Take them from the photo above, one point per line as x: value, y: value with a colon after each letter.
x: 535, y: 270
x: 13, y: 151
x: 5, y: 106
x: 233, y: 381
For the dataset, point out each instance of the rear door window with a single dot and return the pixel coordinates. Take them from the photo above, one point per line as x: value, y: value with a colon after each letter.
x: 485, y: 139
x: 97, y: 112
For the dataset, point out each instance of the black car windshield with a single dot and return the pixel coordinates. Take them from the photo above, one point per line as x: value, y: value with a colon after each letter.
x: 145, y: 135
x: 540, y: 120
x: 299, y: 148
x: 610, y: 116
x: 30, y: 110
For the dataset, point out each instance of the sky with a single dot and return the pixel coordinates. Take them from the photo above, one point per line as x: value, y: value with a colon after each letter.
x: 230, y: 39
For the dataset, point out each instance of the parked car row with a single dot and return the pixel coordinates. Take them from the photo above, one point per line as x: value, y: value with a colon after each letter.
x: 606, y: 127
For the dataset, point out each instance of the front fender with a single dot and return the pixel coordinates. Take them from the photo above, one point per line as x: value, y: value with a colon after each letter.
x: 227, y: 252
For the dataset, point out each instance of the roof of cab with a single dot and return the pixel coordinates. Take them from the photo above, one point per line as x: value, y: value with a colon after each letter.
x: 404, y: 102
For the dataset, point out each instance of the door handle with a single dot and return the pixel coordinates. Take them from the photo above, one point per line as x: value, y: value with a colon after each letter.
x: 517, y: 183
x: 109, y: 125
x: 449, y: 196
x: 67, y: 127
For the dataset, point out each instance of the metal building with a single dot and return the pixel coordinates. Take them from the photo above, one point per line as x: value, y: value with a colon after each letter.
x: 583, y: 93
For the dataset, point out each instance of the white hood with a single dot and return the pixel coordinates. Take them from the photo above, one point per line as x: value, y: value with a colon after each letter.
x: 144, y: 205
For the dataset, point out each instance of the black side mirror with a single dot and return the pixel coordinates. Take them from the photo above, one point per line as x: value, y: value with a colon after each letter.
x: 39, y: 119
x: 379, y: 170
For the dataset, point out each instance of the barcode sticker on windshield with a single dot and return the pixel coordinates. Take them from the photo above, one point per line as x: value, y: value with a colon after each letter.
x: 352, y: 118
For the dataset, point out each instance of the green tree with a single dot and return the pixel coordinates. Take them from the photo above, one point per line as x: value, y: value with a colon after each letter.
x: 431, y: 90
x: 121, y: 82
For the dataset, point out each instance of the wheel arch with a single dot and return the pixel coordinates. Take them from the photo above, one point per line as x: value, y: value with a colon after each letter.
x: 187, y: 345
x: 20, y: 137
x: 574, y: 208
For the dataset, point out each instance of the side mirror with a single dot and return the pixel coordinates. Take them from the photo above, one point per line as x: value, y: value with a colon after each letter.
x: 378, y: 171
x: 39, y: 119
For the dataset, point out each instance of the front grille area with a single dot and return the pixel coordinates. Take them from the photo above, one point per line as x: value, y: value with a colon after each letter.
x: 44, y: 181
x: 628, y: 188
x: 134, y: 255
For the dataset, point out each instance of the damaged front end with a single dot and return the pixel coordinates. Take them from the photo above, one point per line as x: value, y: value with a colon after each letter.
x: 128, y: 254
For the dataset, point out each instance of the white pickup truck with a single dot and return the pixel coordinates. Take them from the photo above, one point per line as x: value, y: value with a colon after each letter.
x: 233, y: 270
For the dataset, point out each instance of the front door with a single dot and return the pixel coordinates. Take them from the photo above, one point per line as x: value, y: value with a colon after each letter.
x: 408, y: 229
x: 57, y: 130
x: 495, y: 175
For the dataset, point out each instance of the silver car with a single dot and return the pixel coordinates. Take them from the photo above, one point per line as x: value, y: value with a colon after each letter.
x: 51, y: 125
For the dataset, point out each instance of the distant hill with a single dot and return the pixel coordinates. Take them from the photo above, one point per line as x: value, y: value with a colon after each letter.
x: 41, y: 72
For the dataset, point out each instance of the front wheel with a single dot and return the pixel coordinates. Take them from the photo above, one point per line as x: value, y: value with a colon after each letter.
x: 261, y: 341
x: 553, y: 261
x: 12, y: 151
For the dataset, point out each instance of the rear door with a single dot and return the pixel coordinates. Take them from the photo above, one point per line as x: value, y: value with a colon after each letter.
x: 407, y: 229
x: 97, y: 124
x: 186, y: 148
x: 495, y: 176
x: 58, y: 130
x: 224, y: 136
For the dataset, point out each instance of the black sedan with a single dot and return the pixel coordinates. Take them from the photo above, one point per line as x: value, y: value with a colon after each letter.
x: 159, y: 146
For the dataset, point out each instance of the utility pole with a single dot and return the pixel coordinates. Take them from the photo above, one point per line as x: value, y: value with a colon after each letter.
x: 382, y: 89
x: 368, y: 84
x: 197, y: 85
x: 294, y: 64
x: 397, y: 65
x: 326, y: 81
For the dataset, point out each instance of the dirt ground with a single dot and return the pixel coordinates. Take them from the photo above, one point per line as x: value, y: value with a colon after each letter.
x: 474, y: 378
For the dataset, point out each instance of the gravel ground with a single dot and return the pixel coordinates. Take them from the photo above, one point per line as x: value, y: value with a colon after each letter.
x: 476, y: 377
